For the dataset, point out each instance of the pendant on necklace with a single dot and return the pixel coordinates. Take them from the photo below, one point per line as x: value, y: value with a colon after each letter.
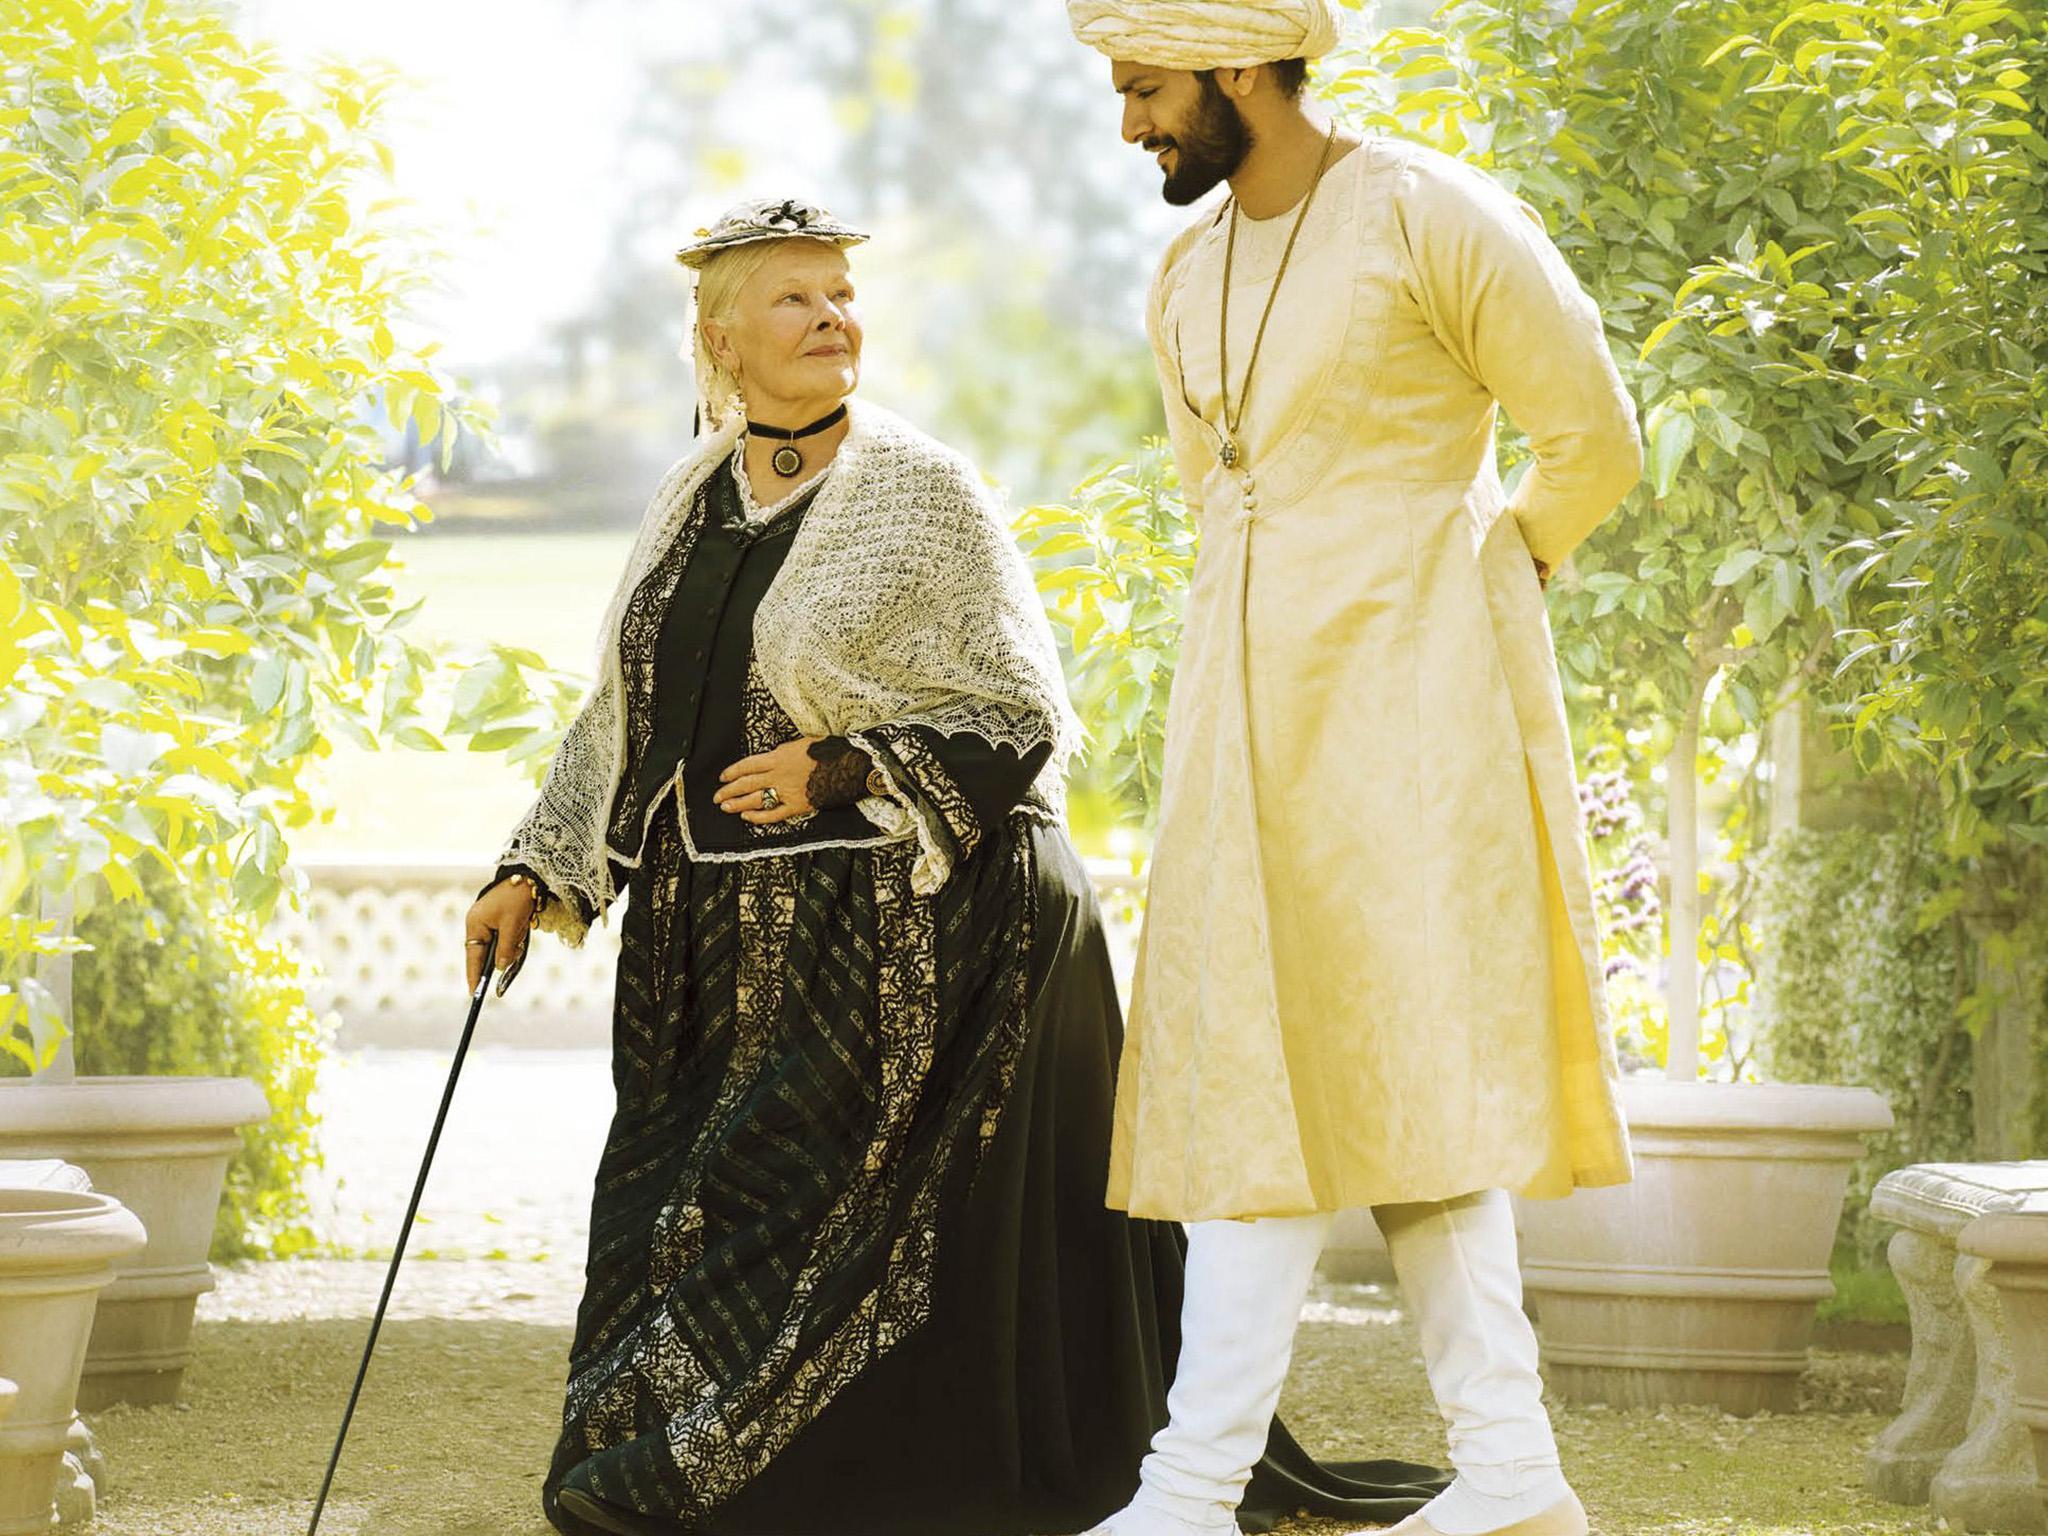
x: 787, y: 461
x: 1228, y: 454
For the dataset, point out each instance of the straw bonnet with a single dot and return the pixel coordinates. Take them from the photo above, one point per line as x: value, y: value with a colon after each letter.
x: 767, y: 219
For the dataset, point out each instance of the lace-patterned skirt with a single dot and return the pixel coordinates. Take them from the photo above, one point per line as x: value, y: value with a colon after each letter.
x: 850, y: 1269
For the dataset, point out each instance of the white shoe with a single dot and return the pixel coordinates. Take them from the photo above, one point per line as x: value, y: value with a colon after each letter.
x: 1567, y: 1517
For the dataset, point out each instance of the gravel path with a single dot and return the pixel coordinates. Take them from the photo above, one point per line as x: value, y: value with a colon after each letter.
x: 464, y: 1396
x: 307, y: 1290
x: 460, y: 1412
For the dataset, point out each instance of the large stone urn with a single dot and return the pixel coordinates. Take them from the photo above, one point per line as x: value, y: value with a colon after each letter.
x: 160, y: 1146
x: 2016, y: 1245
x: 1698, y: 1282
x: 59, y: 1251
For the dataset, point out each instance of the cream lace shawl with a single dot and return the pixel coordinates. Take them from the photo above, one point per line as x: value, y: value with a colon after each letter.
x: 903, y: 600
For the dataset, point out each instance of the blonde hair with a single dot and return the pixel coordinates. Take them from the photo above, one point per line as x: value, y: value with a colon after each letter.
x: 719, y: 281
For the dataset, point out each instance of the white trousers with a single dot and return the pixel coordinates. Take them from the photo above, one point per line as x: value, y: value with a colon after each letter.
x: 1246, y: 1281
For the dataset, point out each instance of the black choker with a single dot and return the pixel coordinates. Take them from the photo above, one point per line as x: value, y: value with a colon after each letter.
x: 787, y: 460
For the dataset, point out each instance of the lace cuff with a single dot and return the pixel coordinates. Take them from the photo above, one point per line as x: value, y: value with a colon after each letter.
x: 902, y: 813
x: 838, y: 775
x: 926, y: 797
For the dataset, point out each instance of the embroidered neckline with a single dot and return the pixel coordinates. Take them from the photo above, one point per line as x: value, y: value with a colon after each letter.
x: 751, y: 509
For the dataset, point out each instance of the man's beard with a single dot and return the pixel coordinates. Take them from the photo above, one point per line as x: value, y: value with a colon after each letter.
x: 1211, y: 147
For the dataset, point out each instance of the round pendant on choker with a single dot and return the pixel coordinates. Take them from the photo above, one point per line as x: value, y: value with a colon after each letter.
x: 788, y: 460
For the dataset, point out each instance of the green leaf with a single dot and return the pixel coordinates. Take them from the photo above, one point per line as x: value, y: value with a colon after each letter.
x: 1663, y: 329
x: 1671, y: 439
x: 1736, y: 566
x: 266, y: 683
x: 1728, y: 47
x: 218, y: 642
x: 501, y: 738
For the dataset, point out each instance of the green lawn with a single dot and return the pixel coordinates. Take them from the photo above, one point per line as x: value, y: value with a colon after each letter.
x: 545, y: 591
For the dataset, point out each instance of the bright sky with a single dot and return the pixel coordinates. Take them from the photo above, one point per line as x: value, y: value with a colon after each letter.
x: 511, y: 139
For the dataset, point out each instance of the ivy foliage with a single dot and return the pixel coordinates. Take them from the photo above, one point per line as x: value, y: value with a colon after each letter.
x: 1863, y: 981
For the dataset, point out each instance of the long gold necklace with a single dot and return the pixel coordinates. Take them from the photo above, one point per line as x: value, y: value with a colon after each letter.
x: 1230, y: 453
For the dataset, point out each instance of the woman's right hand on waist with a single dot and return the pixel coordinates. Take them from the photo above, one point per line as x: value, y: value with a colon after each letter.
x: 506, y: 909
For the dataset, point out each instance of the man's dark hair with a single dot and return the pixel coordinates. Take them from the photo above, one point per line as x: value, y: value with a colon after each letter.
x: 1290, y: 75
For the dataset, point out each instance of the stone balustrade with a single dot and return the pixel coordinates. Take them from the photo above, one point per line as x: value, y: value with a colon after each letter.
x: 385, y: 939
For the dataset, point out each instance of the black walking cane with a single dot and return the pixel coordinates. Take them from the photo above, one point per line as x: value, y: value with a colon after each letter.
x: 476, y: 1004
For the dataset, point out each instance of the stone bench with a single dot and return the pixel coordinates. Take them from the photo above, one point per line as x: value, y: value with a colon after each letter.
x: 2015, y: 1246
x: 1959, y: 1443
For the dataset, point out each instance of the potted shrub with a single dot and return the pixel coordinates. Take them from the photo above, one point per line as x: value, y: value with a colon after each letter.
x: 195, y: 1057
x: 1698, y: 1282
x: 160, y: 1146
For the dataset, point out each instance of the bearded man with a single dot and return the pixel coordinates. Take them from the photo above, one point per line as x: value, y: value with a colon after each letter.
x: 1369, y: 973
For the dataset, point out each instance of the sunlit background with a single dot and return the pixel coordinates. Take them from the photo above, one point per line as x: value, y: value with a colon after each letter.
x: 1805, y: 663
x: 559, y: 150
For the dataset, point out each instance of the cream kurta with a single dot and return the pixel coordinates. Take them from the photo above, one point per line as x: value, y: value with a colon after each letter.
x: 1363, y: 976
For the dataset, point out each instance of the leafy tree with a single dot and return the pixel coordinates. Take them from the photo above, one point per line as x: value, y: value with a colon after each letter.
x: 1114, y: 564
x: 1004, y: 293
x: 1813, y: 227
x: 199, y: 306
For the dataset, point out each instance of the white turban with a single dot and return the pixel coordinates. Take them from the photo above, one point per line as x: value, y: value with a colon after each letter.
x: 1205, y: 34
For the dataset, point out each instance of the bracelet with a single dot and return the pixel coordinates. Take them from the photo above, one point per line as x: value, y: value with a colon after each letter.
x: 540, y: 895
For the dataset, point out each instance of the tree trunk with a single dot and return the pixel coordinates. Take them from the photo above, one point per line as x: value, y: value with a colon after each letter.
x: 54, y: 973
x: 2008, y: 973
x: 1682, y: 811
x: 1788, y: 758
x: 2003, y: 1088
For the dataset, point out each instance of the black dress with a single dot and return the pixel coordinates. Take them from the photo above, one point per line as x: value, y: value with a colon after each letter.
x: 850, y: 1270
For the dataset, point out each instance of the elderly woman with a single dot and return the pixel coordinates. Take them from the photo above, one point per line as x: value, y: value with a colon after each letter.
x: 850, y: 1267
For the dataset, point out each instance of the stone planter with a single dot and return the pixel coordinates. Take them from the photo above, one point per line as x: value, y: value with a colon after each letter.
x: 160, y: 1146
x: 2015, y: 1243
x: 1698, y: 1282
x: 59, y: 1249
